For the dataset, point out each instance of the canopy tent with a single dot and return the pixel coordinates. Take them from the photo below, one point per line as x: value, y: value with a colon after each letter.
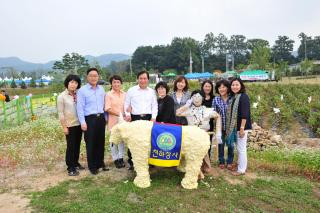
x: 254, y: 75
x: 170, y: 74
x: 230, y: 74
x: 196, y: 75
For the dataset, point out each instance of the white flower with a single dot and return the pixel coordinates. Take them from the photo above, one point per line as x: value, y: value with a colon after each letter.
x: 309, y: 99
x: 259, y: 98
x: 255, y: 104
x: 276, y: 110
x: 55, y: 94
x: 281, y: 97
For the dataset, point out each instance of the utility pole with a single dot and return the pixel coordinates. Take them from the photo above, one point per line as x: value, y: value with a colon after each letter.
x: 202, y: 63
x: 305, y: 48
x: 190, y: 66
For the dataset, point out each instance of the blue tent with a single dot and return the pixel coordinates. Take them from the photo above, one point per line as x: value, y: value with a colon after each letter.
x: 197, y: 75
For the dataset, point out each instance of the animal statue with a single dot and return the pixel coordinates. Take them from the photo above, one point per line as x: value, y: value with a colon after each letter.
x: 137, y: 136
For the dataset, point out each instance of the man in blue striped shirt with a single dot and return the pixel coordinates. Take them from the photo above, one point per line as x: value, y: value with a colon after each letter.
x: 90, y: 110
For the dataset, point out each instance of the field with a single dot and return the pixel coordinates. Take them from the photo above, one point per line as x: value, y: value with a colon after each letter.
x: 287, y: 179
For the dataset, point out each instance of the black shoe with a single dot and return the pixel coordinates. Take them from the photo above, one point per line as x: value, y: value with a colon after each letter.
x: 105, y: 168
x: 121, y: 162
x: 131, y: 167
x: 94, y: 172
x: 73, y: 173
x: 117, y: 164
x: 79, y: 167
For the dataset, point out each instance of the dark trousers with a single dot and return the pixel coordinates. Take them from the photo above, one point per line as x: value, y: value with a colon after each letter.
x: 95, y: 141
x: 73, y: 147
x: 146, y: 117
x: 221, y: 151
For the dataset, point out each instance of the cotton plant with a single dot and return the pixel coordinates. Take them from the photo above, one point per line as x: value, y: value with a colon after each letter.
x: 309, y: 99
x: 255, y: 105
x: 276, y: 110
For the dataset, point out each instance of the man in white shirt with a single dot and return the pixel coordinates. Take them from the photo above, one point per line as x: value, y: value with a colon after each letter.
x: 142, y: 101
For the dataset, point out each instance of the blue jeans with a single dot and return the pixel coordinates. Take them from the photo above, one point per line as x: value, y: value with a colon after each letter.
x: 221, y: 152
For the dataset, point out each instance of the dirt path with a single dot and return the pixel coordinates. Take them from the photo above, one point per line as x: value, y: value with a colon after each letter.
x: 16, y: 183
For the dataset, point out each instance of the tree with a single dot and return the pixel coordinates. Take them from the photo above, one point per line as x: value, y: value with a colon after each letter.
x: 282, y: 49
x: 306, y: 66
x: 71, y: 64
x: 260, y: 56
x: 309, y: 47
x: 237, y: 46
x: 41, y: 83
x: 282, y: 69
x: 256, y: 42
x: 13, y: 84
x: 179, y: 54
x: 32, y: 83
x: 23, y: 85
x: 221, y: 44
x: 23, y: 74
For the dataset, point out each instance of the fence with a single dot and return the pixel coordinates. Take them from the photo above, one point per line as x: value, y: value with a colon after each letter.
x: 26, y: 108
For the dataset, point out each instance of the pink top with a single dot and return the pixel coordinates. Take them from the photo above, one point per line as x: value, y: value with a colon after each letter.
x: 115, y: 102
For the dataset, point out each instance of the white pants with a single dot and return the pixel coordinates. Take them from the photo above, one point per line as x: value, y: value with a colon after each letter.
x: 117, y: 151
x: 242, y: 152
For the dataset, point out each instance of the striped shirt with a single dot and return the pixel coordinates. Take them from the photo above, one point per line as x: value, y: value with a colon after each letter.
x: 221, y: 107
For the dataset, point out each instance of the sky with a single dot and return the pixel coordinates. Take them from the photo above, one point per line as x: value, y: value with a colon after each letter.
x: 42, y: 30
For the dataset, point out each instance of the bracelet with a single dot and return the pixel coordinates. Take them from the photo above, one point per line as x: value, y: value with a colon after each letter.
x: 242, y: 127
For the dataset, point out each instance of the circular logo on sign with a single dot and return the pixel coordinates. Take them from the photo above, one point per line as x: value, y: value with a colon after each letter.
x: 166, y: 141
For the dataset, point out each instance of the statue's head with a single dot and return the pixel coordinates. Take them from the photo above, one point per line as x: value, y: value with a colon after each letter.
x: 115, y: 135
x: 197, y: 98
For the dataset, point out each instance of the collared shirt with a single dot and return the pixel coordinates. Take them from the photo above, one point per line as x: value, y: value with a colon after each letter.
x: 114, y: 101
x: 221, y: 107
x: 90, y: 101
x: 142, y: 101
x: 67, y: 110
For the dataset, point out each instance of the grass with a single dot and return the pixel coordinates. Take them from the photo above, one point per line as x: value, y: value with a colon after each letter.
x: 166, y: 195
x: 278, y: 188
x: 282, y: 160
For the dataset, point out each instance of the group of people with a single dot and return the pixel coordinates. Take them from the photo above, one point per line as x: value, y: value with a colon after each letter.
x: 89, y: 109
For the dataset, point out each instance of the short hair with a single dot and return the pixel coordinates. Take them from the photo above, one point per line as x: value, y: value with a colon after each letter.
x: 209, y: 82
x: 115, y: 77
x: 223, y: 82
x: 200, y: 92
x: 72, y: 77
x: 242, y: 89
x: 162, y: 84
x: 179, y: 79
x: 92, y: 69
x: 197, y: 91
x: 143, y: 72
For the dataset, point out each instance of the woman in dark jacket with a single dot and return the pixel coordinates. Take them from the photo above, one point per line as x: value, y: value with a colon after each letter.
x: 207, y: 92
x: 239, y: 122
x: 165, y: 104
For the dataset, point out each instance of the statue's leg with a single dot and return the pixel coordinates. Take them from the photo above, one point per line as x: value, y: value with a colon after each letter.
x: 193, y: 165
x: 182, y: 165
x: 140, y: 157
